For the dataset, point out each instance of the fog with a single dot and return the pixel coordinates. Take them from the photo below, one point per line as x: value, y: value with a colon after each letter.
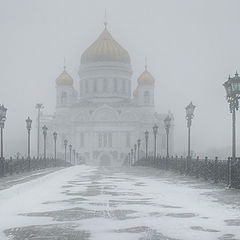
x: 191, y: 47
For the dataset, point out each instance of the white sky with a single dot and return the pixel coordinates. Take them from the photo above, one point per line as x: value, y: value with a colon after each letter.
x: 192, y: 46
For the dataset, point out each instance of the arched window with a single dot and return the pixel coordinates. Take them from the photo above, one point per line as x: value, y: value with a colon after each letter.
x: 146, y: 97
x: 123, y: 86
x: 94, y: 85
x: 110, y: 139
x: 86, y: 86
x: 105, y: 139
x: 64, y: 97
x: 105, y: 85
x: 99, y: 140
x: 115, y: 85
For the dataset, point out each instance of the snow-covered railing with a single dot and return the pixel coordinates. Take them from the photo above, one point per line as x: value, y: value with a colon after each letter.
x: 208, y: 169
x: 14, y: 166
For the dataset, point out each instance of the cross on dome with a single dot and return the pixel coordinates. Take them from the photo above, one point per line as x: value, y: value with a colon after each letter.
x: 105, y: 49
x: 146, y: 77
x: 105, y: 19
x: 64, y: 78
x: 64, y: 63
x: 146, y: 63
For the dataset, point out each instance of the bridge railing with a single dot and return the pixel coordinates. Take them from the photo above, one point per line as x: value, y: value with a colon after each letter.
x: 19, y: 165
x: 224, y: 171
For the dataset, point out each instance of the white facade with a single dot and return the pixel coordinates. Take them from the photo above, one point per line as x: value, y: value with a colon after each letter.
x: 103, y: 121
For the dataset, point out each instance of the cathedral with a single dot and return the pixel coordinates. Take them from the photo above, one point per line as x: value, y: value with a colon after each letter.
x: 104, y: 118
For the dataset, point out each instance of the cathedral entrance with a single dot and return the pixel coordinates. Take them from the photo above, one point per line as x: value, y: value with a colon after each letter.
x: 105, y: 160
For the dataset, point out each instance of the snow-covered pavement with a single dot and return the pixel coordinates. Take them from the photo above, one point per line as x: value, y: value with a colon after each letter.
x: 86, y: 202
x: 10, y: 180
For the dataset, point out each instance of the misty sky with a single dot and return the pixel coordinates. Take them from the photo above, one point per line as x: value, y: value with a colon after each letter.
x: 191, y: 46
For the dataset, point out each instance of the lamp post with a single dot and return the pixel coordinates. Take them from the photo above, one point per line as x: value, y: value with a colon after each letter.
x: 131, y: 156
x: 74, y: 156
x: 70, y: 152
x: 55, y: 147
x: 155, y: 130
x: 146, y: 140
x: 167, y: 125
x: 38, y: 106
x: 29, y: 127
x: 138, y: 148
x: 232, y: 87
x: 189, y: 116
x: 44, y: 128
x: 135, y: 152
x: 3, y: 112
x: 65, y: 148
x: 129, y: 159
x: 77, y: 157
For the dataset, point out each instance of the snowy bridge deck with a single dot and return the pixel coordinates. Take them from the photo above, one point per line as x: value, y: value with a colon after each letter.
x: 85, y: 202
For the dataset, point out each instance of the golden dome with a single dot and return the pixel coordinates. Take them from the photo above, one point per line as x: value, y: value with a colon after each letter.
x: 105, y: 49
x: 146, y: 77
x: 64, y: 78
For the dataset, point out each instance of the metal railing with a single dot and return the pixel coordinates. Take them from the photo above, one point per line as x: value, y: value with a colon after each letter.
x: 15, y: 166
x: 223, y: 171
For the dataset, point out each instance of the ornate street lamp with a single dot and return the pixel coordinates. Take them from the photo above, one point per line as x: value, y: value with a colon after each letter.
x: 65, y: 148
x: 131, y: 157
x: 38, y: 106
x: 189, y: 116
x: 135, y: 152
x: 232, y: 87
x: 55, y: 147
x: 74, y: 156
x: 29, y: 127
x: 44, y: 128
x: 146, y: 141
x: 167, y: 125
x: 3, y: 113
x: 77, y: 157
x: 138, y: 148
x: 70, y: 152
x: 155, y: 130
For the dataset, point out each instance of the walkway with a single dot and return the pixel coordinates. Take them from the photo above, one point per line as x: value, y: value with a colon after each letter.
x: 83, y: 202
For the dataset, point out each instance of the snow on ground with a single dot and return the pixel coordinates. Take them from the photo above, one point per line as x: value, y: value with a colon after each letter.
x: 84, y: 202
x: 10, y: 180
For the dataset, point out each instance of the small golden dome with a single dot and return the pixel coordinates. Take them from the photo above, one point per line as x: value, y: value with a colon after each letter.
x: 64, y: 78
x: 146, y: 77
x: 105, y: 49
x: 135, y: 92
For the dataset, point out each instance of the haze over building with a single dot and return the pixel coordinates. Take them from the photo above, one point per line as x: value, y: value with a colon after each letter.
x: 102, y: 119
